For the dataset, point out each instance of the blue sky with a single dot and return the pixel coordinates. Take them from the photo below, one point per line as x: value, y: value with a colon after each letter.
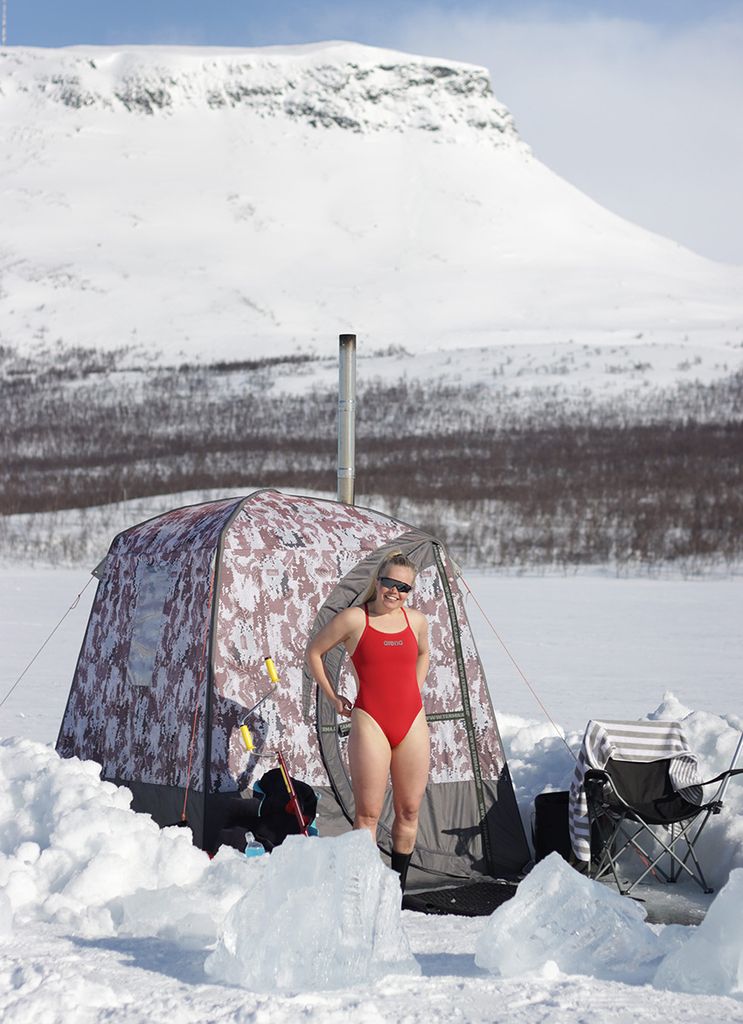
x: 251, y: 23
x: 636, y: 103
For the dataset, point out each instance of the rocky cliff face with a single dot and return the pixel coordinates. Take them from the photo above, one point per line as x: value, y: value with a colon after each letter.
x: 335, y: 86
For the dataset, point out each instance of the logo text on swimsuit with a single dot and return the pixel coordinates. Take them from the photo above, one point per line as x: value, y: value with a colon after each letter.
x: 393, y: 643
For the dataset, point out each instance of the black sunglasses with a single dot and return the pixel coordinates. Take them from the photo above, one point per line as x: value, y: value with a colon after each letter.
x: 390, y: 584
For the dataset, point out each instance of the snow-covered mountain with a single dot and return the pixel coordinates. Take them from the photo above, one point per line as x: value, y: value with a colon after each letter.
x: 207, y: 204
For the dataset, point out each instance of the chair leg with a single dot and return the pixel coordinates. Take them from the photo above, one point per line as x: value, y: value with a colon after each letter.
x: 677, y: 863
x: 651, y: 865
x: 690, y: 848
x: 608, y: 859
x: 610, y: 854
x: 673, y: 867
x: 690, y: 852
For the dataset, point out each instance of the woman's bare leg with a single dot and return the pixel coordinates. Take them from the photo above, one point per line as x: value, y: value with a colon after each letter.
x: 369, y: 760
x: 409, y: 769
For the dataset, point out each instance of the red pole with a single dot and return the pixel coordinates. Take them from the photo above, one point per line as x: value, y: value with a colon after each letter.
x: 293, y: 802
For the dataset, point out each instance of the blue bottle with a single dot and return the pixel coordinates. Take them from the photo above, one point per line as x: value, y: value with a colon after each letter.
x: 252, y: 847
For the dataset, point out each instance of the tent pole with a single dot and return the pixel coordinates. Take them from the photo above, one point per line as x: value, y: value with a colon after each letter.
x: 347, y: 418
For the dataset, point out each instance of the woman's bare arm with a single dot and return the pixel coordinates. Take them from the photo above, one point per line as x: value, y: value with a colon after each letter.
x: 338, y: 631
x: 420, y: 623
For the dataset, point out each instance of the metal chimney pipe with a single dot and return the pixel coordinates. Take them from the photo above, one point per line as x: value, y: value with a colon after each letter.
x: 347, y: 418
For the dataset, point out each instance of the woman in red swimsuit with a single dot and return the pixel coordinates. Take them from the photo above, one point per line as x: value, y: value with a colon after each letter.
x: 388, y: 646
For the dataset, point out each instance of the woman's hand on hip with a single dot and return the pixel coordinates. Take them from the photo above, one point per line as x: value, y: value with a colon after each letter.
x: 343, y: 706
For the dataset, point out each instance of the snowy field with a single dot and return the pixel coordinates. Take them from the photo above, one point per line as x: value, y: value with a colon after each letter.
x: 103, y: 916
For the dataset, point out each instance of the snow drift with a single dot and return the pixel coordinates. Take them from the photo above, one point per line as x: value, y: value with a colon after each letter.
x: 70, y: 844
x: 132, y: 913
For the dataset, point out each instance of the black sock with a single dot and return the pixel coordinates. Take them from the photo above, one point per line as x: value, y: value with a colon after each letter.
x: 400, y: 864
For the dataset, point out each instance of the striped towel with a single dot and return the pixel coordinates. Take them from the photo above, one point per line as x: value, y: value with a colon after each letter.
x: 629, y: 741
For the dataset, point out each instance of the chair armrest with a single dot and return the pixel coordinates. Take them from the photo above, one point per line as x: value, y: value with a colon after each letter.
x: 601, y: 793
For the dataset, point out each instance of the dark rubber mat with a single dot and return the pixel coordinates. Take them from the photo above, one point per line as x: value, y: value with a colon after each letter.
x: 477, y: 899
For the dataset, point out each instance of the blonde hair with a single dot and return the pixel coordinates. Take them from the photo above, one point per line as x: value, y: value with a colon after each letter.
x: 393, y: 558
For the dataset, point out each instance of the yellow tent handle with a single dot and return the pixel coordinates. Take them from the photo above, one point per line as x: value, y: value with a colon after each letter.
x: 247, y: 738
x: 273, y: 675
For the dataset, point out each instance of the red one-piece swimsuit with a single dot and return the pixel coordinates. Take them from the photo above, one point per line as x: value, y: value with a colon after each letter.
x: 385, y: 664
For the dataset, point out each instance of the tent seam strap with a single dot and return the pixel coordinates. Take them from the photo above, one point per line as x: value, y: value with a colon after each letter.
x: 471, y: 738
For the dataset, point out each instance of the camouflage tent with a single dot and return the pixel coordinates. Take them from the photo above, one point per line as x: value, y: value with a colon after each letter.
x: 188, y: 606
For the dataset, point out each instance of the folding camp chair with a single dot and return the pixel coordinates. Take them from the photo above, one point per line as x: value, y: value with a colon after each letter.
x: 654, y: 807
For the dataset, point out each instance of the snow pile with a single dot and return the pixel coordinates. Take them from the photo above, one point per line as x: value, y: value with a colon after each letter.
x: 188, y: 916
x: 560, y: 919
x: 70, y: 844
x: 72, y: 851
x: 711, y: 960
x: 6, y: 917
x: 713, y: 738
x: 325, y: 913
x: 539, y: 759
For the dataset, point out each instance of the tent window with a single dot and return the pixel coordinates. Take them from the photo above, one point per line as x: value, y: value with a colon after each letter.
x: 153, y: 585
